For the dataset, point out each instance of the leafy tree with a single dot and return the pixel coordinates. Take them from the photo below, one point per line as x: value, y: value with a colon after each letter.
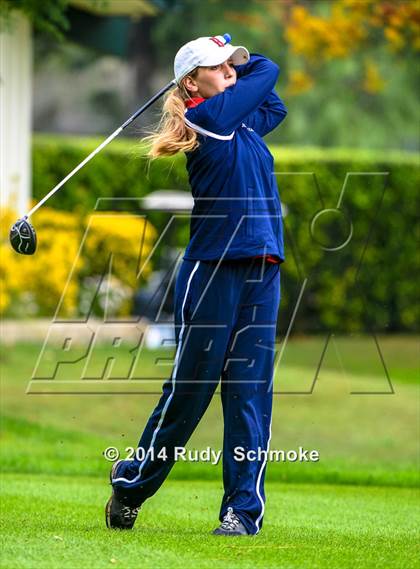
x: 349, y: 72
x: 320, y: 32
x: 47, y: 16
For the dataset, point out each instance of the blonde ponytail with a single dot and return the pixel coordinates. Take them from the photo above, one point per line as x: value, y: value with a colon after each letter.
x: 172, y: 134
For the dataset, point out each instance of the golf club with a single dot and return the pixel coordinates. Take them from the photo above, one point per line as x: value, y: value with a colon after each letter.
x: 22, y: 234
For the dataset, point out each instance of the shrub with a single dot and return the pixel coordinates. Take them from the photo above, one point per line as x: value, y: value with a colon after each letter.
x: 61, y: 273
x: 368, y: 285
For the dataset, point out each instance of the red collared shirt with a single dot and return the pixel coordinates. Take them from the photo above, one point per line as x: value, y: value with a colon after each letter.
x: 193, y: 102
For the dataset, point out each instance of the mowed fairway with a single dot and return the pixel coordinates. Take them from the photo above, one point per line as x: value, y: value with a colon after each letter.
x: 357, y: 507
x: 57, y: 521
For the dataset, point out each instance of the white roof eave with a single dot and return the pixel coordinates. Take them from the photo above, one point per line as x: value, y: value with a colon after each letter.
x: 133, y: 8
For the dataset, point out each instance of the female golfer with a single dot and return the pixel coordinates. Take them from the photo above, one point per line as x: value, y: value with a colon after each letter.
x: 227, y: 290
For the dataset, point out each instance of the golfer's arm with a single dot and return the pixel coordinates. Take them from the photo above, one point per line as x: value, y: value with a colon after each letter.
x: 268, y: 116
x: 226, y: 111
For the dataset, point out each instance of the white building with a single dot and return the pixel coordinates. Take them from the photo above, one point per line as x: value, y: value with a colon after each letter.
x: 15, y: 115
x: 16, y: 55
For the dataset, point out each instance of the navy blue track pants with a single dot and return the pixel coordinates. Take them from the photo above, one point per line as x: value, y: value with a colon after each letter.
x: 225, y: 322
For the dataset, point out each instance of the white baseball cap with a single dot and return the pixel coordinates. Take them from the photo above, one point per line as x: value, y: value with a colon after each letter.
x: 207, y: 51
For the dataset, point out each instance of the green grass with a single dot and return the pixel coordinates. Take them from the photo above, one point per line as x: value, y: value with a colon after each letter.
x: 355, y: 508
x: 362, y: 439
x: 57, y: 521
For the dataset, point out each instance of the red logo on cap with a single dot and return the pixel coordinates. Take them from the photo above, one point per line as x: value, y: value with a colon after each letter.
x: 217, y: 41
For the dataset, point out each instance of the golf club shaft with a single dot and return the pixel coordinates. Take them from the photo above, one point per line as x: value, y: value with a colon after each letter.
x: 102, y: 145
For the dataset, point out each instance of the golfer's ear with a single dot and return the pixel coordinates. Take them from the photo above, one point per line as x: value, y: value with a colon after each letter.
x: 190, y: 84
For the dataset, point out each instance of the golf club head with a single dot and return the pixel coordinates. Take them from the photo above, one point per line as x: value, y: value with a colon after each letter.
x: 23, y: 237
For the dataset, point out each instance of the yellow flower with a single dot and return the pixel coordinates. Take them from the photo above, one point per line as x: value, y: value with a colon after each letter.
x: 61, y: 262
x: 299, y: 82
x: 373, y: 82
x: 395, y: 39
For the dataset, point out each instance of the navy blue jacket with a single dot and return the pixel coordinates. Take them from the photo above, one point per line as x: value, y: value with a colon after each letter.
x: 237, y: 210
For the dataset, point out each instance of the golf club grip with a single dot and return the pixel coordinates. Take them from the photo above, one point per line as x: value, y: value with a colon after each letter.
x: 101, y: 146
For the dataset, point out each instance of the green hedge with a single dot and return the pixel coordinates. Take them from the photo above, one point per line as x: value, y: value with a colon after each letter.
x: 368, y: 285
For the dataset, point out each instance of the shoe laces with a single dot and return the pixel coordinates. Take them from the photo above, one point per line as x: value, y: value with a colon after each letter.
x: 230, y: 520
x: 129, y: 513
